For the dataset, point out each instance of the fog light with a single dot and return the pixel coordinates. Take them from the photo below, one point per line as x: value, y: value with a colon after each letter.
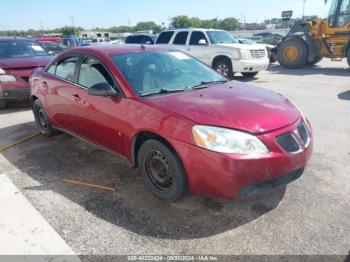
x: 6, y: 93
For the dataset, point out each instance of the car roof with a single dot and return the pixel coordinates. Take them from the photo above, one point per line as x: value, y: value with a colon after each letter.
x: 193, y: 29
x: 118, y: 49
x: 14, y: 38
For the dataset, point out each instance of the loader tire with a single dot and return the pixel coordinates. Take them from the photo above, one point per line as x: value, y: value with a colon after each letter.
x: 292, y: 53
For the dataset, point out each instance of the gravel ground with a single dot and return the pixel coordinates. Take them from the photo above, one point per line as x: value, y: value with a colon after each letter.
x: 310, y: 217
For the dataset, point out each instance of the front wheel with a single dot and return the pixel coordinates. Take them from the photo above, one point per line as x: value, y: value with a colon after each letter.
x: 162, y: 171
x: 315, y: 61
x: 41, y: 119
x: 250, y: 74
x: 224, y: 67
x: 292, y: 53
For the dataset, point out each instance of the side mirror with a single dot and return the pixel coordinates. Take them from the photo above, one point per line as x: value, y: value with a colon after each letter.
x: 202, y: 42
x: 102, y: 89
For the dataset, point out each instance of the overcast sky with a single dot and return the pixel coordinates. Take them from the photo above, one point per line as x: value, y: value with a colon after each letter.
x: 25, y: 14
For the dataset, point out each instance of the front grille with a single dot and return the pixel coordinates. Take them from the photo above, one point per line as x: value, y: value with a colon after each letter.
x: 288, y: 142
x: 302, y: 131
x: 269, y: 185
x: 257, y: 53
x: 25, y: 78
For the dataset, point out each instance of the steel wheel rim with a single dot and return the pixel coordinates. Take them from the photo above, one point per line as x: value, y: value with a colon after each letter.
x: 222, y: 69
x: 291, y: 53
x: 158, y: 171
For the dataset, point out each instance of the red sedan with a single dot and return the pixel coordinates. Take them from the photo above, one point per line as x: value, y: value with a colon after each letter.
x: 185, y: 126
x: 19, y: 56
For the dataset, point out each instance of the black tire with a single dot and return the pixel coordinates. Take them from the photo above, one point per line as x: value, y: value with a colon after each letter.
x: 348, y: 57
x: 3, y: 104
x: 224, y: 67
x: 162, y: 171
x: 292, y: 53
x: 41, y: 119
x: 317, y: 60
x: 250, y: 74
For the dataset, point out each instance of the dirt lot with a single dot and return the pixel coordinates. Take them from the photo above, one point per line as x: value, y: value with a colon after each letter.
x: 311, y: 216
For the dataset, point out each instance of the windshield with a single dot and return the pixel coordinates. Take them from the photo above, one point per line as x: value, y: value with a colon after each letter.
x: 221, y: 37
x: 163, y: 72
x: 247, y: 41
x: 13, y: 49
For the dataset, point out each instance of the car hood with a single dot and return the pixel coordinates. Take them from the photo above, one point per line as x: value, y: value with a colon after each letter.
x: 25, y: 62
x: 232, y: 105
x: 240, y: 46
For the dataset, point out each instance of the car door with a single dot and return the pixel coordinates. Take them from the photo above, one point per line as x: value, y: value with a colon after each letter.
x: 99, y: 117
x: 198, y: 47
x: 59, y: 101
x: 180, y: 40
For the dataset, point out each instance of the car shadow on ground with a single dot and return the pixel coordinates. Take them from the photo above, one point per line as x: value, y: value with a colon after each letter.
x: 51, y: 160
x: 310, y: 70
x: 344, y: 95
x: 15, y: 107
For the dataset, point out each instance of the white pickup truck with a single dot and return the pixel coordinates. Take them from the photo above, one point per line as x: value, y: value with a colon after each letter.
x: 218, y: 49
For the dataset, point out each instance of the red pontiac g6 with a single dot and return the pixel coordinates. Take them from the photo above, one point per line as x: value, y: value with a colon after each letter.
x: 185, y: 126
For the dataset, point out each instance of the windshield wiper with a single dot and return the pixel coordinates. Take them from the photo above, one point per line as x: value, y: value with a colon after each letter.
x: 206, y: 84
x: 162, y: 91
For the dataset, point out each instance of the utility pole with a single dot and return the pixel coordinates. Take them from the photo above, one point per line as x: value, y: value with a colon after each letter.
x: 41, y: 26
x: 304, y: 2
x: 72, y: 19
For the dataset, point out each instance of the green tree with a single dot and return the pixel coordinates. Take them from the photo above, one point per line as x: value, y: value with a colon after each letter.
x: 229, y: 24
x: 181, y: 21
x: 148, y: 25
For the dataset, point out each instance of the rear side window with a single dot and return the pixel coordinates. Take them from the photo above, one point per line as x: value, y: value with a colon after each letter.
x: 92, y: 72
x: 164, y: 37
x: 180, y: 38
x: 196, y: 36
x: 133, y: 40
x: 66, y: 68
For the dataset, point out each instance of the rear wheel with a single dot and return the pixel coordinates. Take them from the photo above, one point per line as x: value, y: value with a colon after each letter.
x: 3, y: 104
x: 250, y: 74
x: 292, y: 53
x: 41, y: 119
x: 162, y: 171
x: 224, y: 67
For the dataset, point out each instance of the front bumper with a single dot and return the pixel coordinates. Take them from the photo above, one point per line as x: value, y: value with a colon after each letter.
x: 14, y: 91
x: 247, y: 66
x: 240, y: 176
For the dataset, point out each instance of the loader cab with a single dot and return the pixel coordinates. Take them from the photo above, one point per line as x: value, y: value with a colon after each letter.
x: 339, y: 14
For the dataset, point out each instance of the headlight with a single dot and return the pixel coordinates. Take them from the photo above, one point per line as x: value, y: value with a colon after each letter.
x: 7, y: 78
x: 229, y: 141
x: 2, y: 72
x: 236, y: 54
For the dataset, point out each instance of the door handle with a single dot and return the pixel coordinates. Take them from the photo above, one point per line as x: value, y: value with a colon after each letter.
x: 76, y: 98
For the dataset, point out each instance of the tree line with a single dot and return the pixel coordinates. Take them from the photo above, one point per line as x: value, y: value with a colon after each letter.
x: 230, y: 24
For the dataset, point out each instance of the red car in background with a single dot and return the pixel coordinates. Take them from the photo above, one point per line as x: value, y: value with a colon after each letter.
x: 18, y: 58
x: 183, y: 124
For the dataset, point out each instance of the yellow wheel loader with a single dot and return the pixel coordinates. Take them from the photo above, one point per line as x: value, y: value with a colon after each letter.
x: 309, y: 41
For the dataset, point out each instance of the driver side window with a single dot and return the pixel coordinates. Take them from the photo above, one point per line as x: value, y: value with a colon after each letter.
x: 92, y: 72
